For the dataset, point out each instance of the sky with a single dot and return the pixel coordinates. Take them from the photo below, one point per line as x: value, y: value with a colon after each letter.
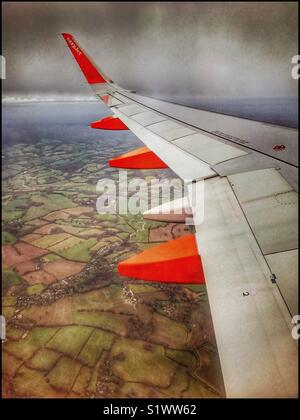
x: 200, y: 52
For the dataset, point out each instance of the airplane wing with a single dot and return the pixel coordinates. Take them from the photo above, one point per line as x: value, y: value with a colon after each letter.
x: 247, y: 243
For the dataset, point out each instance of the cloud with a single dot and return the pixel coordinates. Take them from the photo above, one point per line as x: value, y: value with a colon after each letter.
x: 171, y: 49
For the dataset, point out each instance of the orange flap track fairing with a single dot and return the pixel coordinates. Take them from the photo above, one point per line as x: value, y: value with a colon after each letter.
x: 176, y: 261
x: 109, y: 123
x: 141, y: 158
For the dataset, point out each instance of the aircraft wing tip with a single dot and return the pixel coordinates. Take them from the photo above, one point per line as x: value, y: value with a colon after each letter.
x: 65, y: 34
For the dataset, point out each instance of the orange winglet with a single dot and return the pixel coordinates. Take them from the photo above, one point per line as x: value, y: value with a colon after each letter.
x: 141, y: 158
x: 89, y: 70
x: 176, y: 261
x: 109, y: 123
